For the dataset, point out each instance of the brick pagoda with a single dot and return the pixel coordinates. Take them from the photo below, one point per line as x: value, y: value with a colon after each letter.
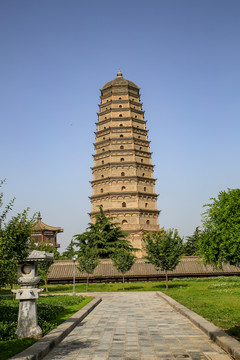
x: 123, y: 180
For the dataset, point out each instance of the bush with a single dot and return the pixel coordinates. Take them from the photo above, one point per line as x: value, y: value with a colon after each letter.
x: 49, y: 309
x: 7, y: 330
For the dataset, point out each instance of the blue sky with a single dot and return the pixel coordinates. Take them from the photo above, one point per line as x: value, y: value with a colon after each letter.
x: 56, y: 55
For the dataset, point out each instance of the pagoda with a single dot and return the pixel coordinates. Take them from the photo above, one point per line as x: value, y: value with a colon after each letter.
x: 43, y: 233
x: 123, y: 182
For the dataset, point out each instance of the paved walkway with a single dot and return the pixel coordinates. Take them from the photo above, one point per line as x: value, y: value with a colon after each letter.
x: 132, y: 326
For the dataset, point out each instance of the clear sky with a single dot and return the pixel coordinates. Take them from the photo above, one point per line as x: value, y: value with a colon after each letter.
x: 56, y: 55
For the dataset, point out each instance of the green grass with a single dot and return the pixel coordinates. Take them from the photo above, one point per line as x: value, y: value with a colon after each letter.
x: 52, y: 311
x: 216, y: 299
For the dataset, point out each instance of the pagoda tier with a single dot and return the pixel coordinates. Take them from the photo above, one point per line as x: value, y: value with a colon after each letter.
x: 123, y: 182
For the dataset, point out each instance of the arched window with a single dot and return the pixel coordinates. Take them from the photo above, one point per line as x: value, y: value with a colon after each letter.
x: 102, y: 161
x: 121, y: 135
x: 137, y: 126
x: 101, y: 190
x: 147, y: 222
x: 121, y: 147
x: 135, y: 116
x: 123, y: 174
x: 105, y: 117
x: 120, y: 106
x: 102, y: 176
x: 141, y: 160
x: 143, y: 174
x: 123, y: 204
x: 140, y: 148
x: 123, y: 188
x: 120, y: 115
x: 119, y: 98
x: 104, y: 127
x: 146, y: 205
x: 145, y: 189
x: 103, y: 149
x: 139, y: 137
x: 124, y: 222
x: 122, y: 159
x: 104, y: 138
x: 121, y: 125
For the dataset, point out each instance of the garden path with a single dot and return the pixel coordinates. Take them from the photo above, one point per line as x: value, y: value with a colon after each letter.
x: 136, y: 326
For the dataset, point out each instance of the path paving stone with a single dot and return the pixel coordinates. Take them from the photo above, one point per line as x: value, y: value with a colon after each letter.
x: 136, y: 326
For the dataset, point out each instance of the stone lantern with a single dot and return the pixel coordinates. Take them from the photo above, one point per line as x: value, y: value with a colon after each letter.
x: 28, y: 293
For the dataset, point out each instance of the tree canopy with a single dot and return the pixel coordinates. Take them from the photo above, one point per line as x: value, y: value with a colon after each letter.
x: 88, y: 260
x: 164, y: 250
x: 69, y: 252
x: 191, y: 245
x: 123, y: 260
x: 105, y: 235
x: 14, y: 241
x: 220, y: 239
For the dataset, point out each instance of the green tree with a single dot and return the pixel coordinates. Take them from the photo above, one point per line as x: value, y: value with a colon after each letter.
x: 14, y: 241
x: 44, y: 266
x: 88, y: 259
x: 191, y: 246
x: 220, y: 239
x: 104, y: 234
x: 164, y: 250
x: 123, y: 260
x: 69, y: 252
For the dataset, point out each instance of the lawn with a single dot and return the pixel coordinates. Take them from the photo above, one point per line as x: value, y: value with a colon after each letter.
x: 52, y: 311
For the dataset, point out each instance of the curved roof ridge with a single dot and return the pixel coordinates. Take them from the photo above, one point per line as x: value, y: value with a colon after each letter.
x: 39, y: 225
x: 119, y: 81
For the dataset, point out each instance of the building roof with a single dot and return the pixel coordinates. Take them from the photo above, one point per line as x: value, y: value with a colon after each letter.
x: 119, y: 81
x: 41, y: 226
x: 188, y: 266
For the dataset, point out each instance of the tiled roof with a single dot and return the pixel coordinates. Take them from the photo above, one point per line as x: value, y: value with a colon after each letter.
x: 119, y: 81
x: 189, y: 266
x: 40, y: 226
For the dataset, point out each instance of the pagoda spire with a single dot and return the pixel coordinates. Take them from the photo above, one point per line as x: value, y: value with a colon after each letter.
x: 119, y: 74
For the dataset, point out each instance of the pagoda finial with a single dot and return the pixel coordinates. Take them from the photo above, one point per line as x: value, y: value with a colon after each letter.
x: 39, y: 216
x: 119, y: 74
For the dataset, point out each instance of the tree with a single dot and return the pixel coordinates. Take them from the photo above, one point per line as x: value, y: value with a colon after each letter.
x: 105, y: 235
x: 164, y: 250
x: 220, y: 239
x: 44, y: 266
x: 123, y: 260
x: 69, y: 252
x: 88, y: 260
x: 190, y: 247
x: 14, y: 241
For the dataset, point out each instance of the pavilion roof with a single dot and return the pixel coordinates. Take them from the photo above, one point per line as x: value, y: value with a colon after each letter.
x: 41, y: 226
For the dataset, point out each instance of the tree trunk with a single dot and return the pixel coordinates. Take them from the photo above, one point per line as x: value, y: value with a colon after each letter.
x: 87, y: 282
x: 166, y: 279
x: 45, y: 283
x: 123, y: 283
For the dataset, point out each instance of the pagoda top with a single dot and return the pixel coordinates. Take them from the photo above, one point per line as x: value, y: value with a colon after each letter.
x: 41, y: 226
x: 119, y: 81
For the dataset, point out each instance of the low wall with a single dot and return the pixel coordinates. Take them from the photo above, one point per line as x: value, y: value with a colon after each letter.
x: 189, y: 266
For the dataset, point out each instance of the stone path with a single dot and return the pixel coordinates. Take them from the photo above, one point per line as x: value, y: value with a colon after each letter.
x: 132, y: 326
